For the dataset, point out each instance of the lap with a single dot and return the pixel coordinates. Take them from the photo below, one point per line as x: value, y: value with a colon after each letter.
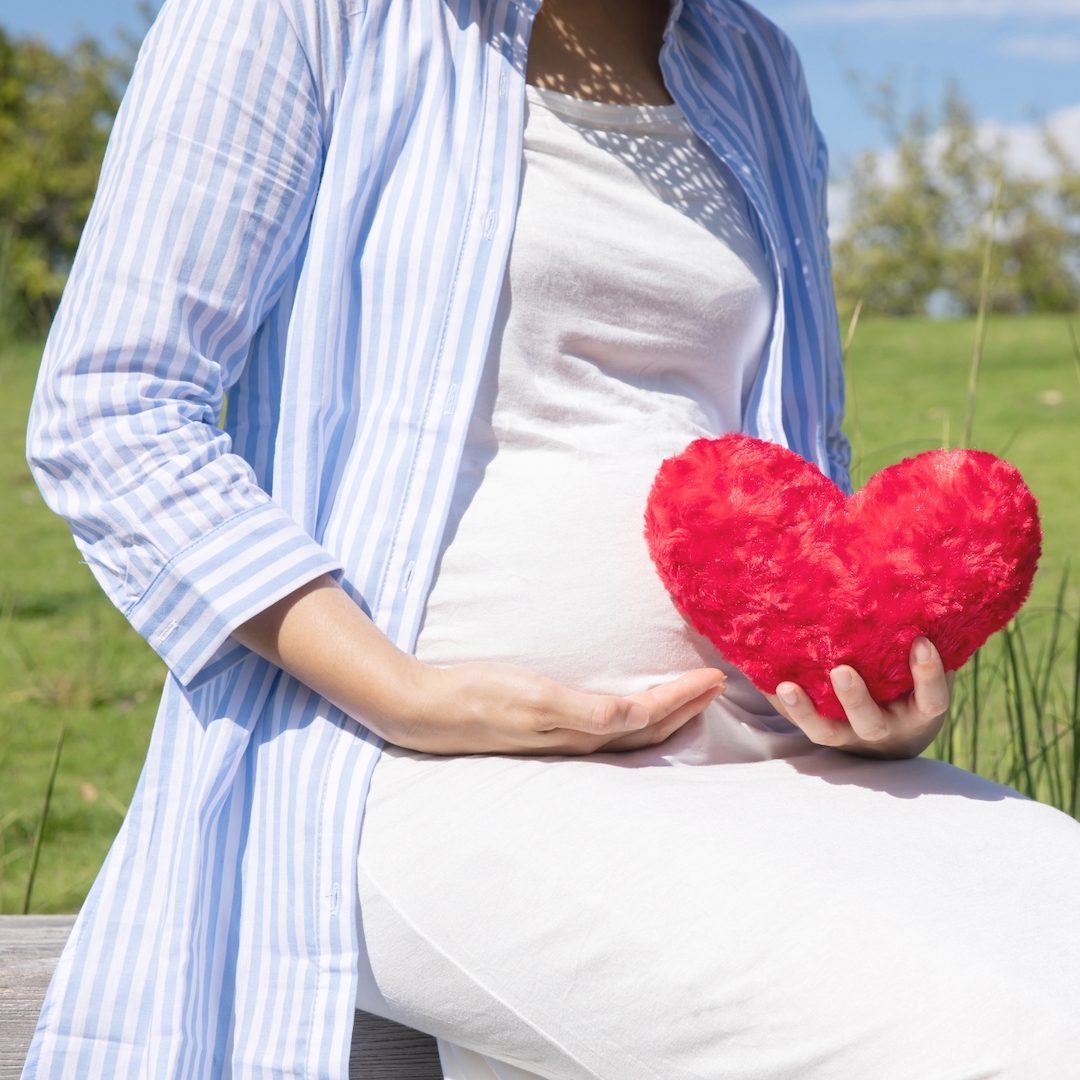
x: 806, y: 916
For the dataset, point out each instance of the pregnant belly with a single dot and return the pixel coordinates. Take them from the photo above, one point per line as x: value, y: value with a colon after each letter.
x: 548, y: 569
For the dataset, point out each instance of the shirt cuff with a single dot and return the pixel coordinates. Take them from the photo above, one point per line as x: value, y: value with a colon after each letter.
x: 226, y: 577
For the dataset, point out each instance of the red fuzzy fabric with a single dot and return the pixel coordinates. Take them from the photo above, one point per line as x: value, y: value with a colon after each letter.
x: 788, y: 577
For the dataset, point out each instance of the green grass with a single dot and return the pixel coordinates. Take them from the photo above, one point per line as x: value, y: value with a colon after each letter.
x: 908, y: 382
x: 67, y: 657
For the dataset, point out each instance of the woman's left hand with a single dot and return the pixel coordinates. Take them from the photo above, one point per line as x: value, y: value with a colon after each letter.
x: 904, y: 728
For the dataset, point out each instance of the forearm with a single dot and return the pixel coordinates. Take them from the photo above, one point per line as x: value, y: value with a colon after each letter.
x: 320, y: 636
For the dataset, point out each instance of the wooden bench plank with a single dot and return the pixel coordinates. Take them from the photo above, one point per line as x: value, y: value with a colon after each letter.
x: 30, y: 946
x: 383, y: 1050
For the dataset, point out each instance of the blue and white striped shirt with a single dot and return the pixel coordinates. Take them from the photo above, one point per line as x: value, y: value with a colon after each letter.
x: 306, y: 207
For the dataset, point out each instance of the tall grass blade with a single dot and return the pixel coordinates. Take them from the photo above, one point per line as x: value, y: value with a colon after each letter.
x: 1015, y: 714
x: 1075, y: 348
x: 1011, y: 439
x: 1055, y: 632
x: 6, y: 822
x: 976, y: 715
x: 1021, y: 764
x: 853, y: 324
x: 114, y: 802
x: 853, y: 401
x: 40, y: 834
x: 1043, y: 773
x: 980, y: 321
x: 1074, y: 725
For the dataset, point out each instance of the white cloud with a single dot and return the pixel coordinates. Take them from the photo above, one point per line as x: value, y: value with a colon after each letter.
x: 1051, y: 50
x: 1024, y: 143
x: 862, y: 11
x: 1025, y: 154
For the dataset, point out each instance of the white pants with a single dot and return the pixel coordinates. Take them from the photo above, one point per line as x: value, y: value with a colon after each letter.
x: 790, y: 913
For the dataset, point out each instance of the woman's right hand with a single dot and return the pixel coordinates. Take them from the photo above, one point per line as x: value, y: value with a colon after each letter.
x: 499, y: 708
x: 319, y: 635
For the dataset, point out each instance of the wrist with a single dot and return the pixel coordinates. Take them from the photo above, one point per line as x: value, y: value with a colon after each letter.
x: 404, y: 704
x: 415, y: 692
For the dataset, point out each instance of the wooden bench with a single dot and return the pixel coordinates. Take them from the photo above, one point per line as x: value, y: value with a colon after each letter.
x: 30, y: 945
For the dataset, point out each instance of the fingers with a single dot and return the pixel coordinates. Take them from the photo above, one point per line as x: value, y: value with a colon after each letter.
x: 483, y: 707
x: 650, y: 736
x: 640, y: 719
x: 932, y: 686
x: 662, y: 729
x: 867, y: 719
x: 902, y: 728
x: 610, y: 716
x: 592, y: 714
x: 678, y: 694
x: 868, y: 725
x: 665, y: 725
x: 795, y: 703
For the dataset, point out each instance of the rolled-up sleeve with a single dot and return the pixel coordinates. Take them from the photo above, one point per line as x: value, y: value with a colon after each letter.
x: 202, y: 212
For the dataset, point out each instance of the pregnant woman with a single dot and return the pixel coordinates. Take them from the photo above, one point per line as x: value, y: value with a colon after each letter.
x: 466, y: 274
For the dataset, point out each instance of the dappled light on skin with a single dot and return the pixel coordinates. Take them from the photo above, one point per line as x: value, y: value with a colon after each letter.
x: 568, y: 54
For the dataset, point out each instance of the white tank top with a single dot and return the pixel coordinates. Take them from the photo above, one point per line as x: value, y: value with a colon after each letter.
x: 634, y: 312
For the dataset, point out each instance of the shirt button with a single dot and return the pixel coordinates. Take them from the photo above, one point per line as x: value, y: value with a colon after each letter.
x: 705, y: 116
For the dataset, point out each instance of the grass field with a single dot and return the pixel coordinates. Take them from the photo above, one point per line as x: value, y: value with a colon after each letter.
x: 1016, y: 712
x: 67, y: 658
x: 908, y: 393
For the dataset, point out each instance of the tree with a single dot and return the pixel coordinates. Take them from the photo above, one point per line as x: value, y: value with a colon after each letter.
x: 920, y: 225
x: 56, y: 111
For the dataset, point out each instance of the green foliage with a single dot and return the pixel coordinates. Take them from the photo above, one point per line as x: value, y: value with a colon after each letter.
x: 1015, y: 716
x: 56, y: 111
x: 923, y: 227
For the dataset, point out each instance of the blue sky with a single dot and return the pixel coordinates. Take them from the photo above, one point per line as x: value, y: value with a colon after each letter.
x: 1017, y: 60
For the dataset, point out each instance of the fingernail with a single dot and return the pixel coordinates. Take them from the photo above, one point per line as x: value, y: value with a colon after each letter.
x: 924, y: 651
x: 637, y: 717
x: 787, y: 694
x: 841, y: 678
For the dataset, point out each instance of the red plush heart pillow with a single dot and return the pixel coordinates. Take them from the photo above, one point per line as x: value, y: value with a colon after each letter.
x: 788, y: 577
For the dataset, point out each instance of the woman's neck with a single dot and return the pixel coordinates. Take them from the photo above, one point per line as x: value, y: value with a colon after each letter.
x: 601, y: 50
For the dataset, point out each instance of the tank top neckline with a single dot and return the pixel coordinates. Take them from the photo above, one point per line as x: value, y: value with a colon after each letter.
x: 641, y: 119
